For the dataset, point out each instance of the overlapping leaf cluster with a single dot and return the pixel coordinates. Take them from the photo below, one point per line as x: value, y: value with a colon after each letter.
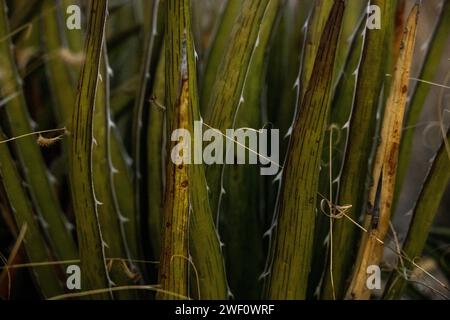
x: 99, y: 189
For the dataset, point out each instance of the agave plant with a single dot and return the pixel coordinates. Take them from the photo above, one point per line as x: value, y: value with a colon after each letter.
x: 94, y: 94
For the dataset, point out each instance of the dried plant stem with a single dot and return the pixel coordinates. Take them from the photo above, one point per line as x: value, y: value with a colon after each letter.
x: 385, y: 167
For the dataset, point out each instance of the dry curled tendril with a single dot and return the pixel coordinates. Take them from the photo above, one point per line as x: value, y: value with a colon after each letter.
x: 335, y: 211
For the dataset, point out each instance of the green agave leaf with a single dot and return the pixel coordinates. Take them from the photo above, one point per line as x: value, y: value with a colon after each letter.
x: 283, y: 81
x: 340, y: 115
x: 424, y: 212
x: 186, y: 201
x: 34, y: 240
x: 123, y: 191
x: 111, y: 227
x: 241, y: 224
x: 31, y: 160
x: 124, y: 43
x: 85, y: 204
x: 155, y: 135
x: 58, y: 71
x: 284, y: 62
x: 226, y: 93
x: 116, y: 184
x: 316, y: 24
x: 218, y: 47
x: 352, y: 19
x: 356, y: 166
x: 122, y: 97
x: 142, y: 106
x: 294, y: 233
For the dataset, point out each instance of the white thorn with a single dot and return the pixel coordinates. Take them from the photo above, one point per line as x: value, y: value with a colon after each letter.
x: 296, y: 83
x: 114, y: 170
x: 326, y: 240
x: 278, y: 177
x: 289, y: 132
x: 257, y: 40
x: 346, y: 125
